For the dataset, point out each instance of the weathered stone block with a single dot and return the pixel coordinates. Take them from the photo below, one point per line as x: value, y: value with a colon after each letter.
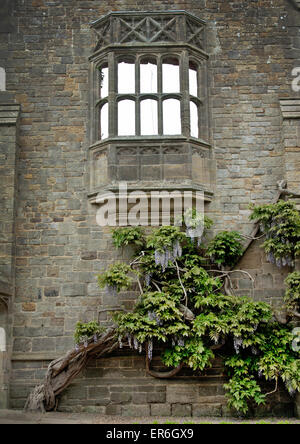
x: 22, y: 345
x: 113, y: 410
x: 136, y: 410
x: 207, y: 410
x: 77, y: 392
x: 120, y: 398
x: 73, y: 290
x: 43, y: 344
x: 158, y: 397
x: 89, y: 255
x: 181, y: 410
x: 181, y: 394
x: 51, y: 292
x: 95, y: 392
x: 160, y: 410
x: 29, y: 306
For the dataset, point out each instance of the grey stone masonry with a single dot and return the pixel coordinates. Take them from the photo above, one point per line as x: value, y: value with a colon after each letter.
x: 9, y: 113
x: 290, y: 109
x: 51, y: 247
x: 8, y: 150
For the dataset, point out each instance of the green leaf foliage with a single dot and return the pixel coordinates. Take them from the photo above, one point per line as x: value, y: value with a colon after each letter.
x: 85, y: 331
x: 292, y: 294
x: 128, y: 236
x: 117, y: 276
x: 184, y: 312
x: 226, y: 248
x: 281, y: 224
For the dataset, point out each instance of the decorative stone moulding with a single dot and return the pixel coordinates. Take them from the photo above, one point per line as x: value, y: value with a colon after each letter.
x: 9, y: 113
x: 160, y: 161
x: 166, y: 164
x: 150, y: 28
x: 290, y: 108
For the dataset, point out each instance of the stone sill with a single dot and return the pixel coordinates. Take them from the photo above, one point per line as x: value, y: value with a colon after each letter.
x: 151, y: 139
x: 290, y: 108
x: 152, y: 188
x: 36, y: 356
x: 9, y: 113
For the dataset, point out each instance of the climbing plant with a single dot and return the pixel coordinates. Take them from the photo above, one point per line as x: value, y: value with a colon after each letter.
x: 187, y: 312
x: 292, y: 294
x: 226, y: 248
x: 280, y: 222
x: 185, y: 308
x: 87, y: 331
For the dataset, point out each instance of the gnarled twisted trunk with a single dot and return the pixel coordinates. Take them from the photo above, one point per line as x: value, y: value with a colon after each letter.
x: 62, y: 371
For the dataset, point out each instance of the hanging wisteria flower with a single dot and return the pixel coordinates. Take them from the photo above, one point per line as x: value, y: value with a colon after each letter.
x: 181, y: 342
x: 157, y: 257
x: 120, y: 341
x: 284, y: 261
x: 254, y: 351
x: 278, y: 262
x: 162, y: 258
x: 271, y: 258
x: 129, y: 337
x: 154, y: 317
x: 148, y: 279
x: 237, y: 343
x: 290, y: 389
x: 135, y: 343
x: 150, y: 349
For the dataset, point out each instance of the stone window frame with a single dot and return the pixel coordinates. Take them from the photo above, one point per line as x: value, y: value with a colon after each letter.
x: 177, y: 38
x: 160, y: 55
x: 150, y: 34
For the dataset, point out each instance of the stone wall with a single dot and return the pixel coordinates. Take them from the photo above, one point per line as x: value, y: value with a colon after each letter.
x: 59, y: 246
x: 267, y: 282
x: 118, y: 385
x: 9, y: 113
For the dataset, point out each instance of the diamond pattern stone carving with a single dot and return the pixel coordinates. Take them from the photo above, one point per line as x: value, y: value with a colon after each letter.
x: 149, y: 28
x: 194, y: 34
x: 104, y: 35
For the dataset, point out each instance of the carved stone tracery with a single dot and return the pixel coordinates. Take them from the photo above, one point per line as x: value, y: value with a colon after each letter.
x: 148, y: 28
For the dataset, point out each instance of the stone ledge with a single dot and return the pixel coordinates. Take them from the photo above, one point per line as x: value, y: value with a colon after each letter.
x: 35, y: 356
x: 290, y: 108
x: 9, y: 113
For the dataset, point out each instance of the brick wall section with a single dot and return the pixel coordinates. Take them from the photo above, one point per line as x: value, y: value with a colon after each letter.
x: 59, y: 247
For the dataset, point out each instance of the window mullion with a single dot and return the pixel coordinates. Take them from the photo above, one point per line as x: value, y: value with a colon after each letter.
x: 112, y: 102
x: 184, y: 88
x: 203, y: 115
x: 159, y: 90
x: 137, y: 100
